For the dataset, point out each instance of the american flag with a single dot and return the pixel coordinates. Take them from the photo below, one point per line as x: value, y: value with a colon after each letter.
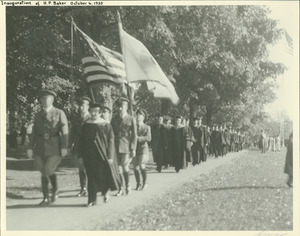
x: 99, y: 62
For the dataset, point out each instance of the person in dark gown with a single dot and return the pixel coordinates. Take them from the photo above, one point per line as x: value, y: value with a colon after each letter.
x: 159, y: 142
x: 98, y: 152
x: 177, y: 144
x: 288, y: 168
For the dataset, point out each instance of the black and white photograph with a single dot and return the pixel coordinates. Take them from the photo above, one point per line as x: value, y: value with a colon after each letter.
x: 150, y: 116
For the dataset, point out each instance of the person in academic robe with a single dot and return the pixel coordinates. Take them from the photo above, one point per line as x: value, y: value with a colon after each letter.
x: 177, y: 144
x: 97, y: 147
x: 159, y: 142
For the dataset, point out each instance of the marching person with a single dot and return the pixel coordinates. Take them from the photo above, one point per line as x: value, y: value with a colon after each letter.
x: 227, y: 139
x: 195, y: 147
x: 218, y: 141
x: 202, y: 140
x: 142, y: 150
x: 124, y: 126
x: 96, y: 146
x: 159, y: 142
x: 106, y: 115
x: 177, y: 145
x: 168, y: 151
x: 76, y: 123
x: 48, y: 143
x: 188, y: 141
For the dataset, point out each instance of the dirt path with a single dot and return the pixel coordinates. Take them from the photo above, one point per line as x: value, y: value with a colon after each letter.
x: 70, y: 213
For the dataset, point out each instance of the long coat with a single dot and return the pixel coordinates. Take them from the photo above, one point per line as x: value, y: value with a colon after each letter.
x: 288, y: 168
x: 97, y: 146
x: 50, y: 133
x: 159, y: 143
x: 177, y: 146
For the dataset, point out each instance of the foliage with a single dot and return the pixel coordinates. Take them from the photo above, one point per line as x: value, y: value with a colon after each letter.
x: 217, y: 56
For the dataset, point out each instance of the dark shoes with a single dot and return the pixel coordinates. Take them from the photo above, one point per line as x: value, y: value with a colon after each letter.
x: 82, y: 193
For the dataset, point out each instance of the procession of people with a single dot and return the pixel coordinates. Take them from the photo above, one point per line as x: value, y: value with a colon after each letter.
x: 103, y: 146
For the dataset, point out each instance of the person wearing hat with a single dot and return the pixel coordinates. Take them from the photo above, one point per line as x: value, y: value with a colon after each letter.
x: 106, y: 113
x: 48, y: 143
x: 96, y: 147
x: 80, y: 118
x: 142, y: 150
x: 159, y: 142
x: 124, y: 126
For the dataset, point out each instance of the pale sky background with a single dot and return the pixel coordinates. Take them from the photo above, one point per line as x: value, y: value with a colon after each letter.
x: 287, y: 94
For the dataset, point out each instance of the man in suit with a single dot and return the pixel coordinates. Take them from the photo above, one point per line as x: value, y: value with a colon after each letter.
x: 124, y: 126
x: 48, y: 142
x: 76, y: 123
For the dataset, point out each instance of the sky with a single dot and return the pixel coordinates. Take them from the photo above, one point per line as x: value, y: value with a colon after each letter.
x: 287, y: 95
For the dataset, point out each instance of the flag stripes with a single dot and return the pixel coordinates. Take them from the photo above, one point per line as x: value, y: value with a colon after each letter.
x: 99, y: 62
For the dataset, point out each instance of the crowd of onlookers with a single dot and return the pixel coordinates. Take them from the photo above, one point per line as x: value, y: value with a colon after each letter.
x: 268, y: 143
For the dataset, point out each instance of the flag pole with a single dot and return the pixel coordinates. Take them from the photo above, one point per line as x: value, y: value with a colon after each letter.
x: 72, y: 62
x: 129, y: 92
